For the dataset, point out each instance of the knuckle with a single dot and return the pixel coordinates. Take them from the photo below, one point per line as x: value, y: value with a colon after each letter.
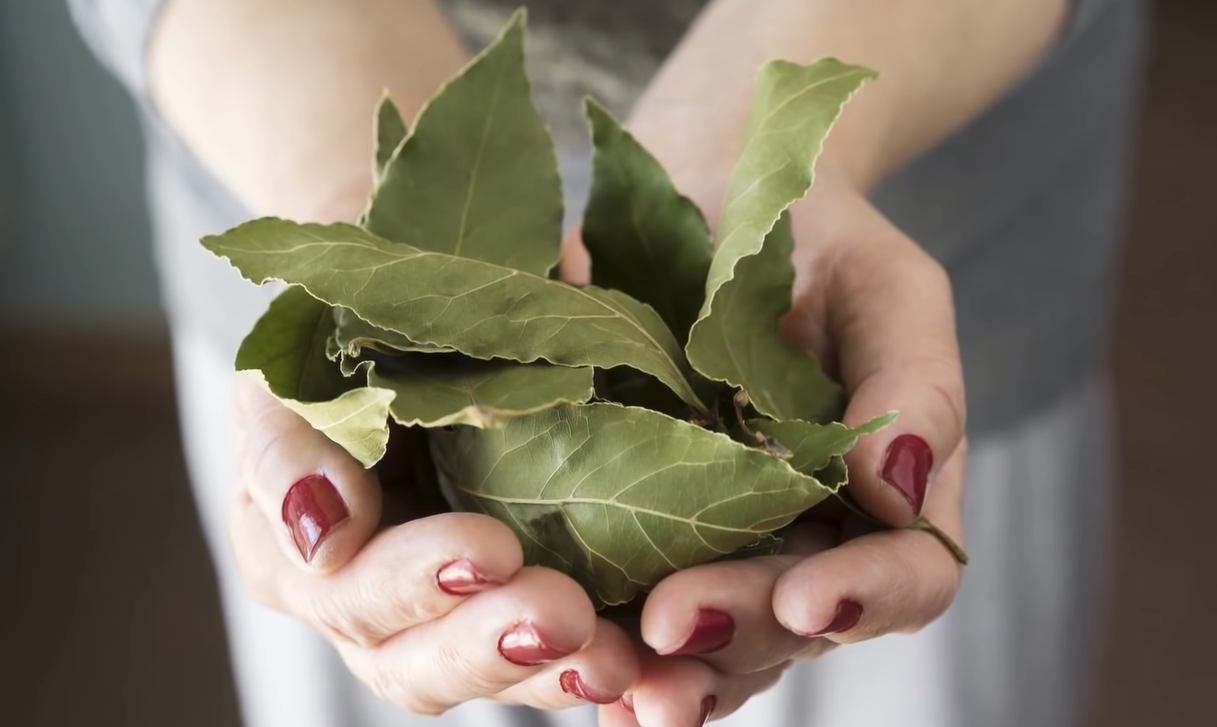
x: 389, y: 684
x: 451, y: 659
x: 418, y: 703
x: 339, y: 620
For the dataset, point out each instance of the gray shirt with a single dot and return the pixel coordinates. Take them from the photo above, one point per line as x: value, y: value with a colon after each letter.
x: 1023, y: 207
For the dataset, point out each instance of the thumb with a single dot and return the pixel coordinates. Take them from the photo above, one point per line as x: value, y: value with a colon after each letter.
x: 893, y: 323
x: 323, y: 505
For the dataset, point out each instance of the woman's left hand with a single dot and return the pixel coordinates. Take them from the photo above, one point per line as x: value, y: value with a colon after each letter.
x: 878, y: 310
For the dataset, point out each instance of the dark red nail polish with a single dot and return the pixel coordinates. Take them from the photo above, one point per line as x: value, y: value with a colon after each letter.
x: 906, y: 467
x: 848, y: 614
x: 461, y: 578
x: 627, y: 701
x: 312, y: 508
x: 713, y: 631
x: 572, y: 684
x: 707, y: 708
x: 522, y: 645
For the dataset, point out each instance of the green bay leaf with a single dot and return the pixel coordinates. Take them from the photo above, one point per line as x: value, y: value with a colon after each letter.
x: 619, y: 497
x: 644, y: 237
x: 391, y: 131
x: 482, y: 310
x: 815, y: 447
x: 478, y: 177
x: 735, y: 338
x: 437, y: 390
x: 286, y: 352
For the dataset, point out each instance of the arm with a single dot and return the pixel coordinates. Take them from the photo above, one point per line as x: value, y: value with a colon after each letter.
x: 941, y: 62
x: 867, y: 299
x: 275, y: 96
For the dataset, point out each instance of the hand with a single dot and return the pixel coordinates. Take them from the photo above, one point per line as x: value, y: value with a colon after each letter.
x: 429, y: 613
x: 878, y: 311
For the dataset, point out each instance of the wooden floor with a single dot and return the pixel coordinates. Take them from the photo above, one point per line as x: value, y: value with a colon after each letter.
x: 108, y: 613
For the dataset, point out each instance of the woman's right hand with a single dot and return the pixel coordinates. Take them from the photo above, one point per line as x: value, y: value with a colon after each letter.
x: 429, y: 613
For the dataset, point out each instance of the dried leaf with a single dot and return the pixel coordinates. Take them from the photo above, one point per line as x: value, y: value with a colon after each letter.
x: 482, y: 310
x: 285, y: 351
x: 446, y: 389
x: 478, y: 177
x: 620, y: 497
x: 736, y: 337
x: 644, y: 238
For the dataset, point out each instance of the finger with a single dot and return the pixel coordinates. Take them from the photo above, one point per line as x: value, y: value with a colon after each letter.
x: 489, y: 643
x: 600, y: 674
x: 894, y: 581
x: 723, y: 612
x: 893, y: 323
x: 407, y: 575
x: 322, y: 504
x: 687, y: 691
x: 576, y: 264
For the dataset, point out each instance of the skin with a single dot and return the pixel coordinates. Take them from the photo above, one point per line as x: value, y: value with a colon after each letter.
x: 286, y: 128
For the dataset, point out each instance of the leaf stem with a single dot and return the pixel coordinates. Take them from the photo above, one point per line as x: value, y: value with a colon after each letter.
x: 923, y: 524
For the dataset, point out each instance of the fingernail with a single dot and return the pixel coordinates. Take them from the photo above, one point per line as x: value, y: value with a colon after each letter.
x: 572, y: 684
x: 627, y: 701
x: 906, y: 467
x: 461, y: 578
x: 848, y: 614
x: 707, y: 708
x: 713, y: 631
x: 312, y: 509
x: 522, y: 645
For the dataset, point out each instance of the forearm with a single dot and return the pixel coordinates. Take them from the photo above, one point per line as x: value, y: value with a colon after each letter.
x: 941, y: 62
x: 276, y: 97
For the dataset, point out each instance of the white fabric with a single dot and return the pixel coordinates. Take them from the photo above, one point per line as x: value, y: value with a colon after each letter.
x: 1015, y: 650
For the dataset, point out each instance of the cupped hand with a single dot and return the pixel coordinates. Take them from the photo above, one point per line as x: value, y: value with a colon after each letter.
x: 878, y: 311
x: 429, y: 613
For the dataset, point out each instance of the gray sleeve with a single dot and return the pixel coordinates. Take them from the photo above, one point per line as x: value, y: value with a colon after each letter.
x: 1084, y: 12
x: 117, y: 32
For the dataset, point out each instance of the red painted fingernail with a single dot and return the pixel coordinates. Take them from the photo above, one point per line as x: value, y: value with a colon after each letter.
x: 906, y: 467
x: 523, y: 645
x: 627, y: 701
x: 707, y: 708
x: 572, y: 684
x: 713, y: 631
x: 461, y: 578
x: 312, y: 508
x: 848, y: 614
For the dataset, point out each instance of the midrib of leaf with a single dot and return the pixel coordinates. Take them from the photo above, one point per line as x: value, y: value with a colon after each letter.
x: 477, y: 164
x: 318, y: 339
x: 349, y: 416
x: 668, y: 304
x: 415, y: 254
x: 633, y: 509
x: 761, y: 132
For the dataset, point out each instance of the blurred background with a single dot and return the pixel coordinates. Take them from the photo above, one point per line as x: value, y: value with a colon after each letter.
x: 108, y: 611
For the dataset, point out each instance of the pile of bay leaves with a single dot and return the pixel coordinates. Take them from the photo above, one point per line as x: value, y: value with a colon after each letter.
x: 648, y: 422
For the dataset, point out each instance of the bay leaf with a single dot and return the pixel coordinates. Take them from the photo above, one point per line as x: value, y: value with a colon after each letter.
x: 620, y: 497
x: 813, y: 447
x: 735, y: 338
x: 478, y: 177
x: 438, y: 390
x: 835, y: 474
x: 644, y: 237
x: 482, y: 310
x: 285, y: 351
x: 391, y: 131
